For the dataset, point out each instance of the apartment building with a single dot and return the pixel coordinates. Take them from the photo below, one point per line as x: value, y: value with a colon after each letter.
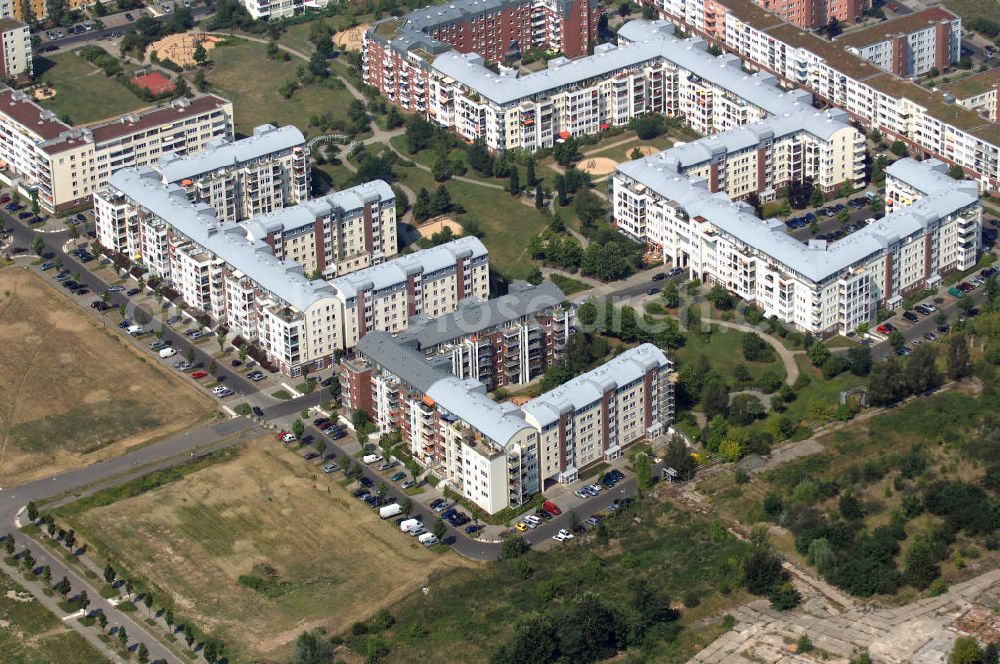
x: 63, y: 166
x: 814, y: 13
x: 650, y: 70
x: 929, y: 122
x: 819, y: 287
x: 977, y: 93
x: 266, y: 299
x: 397, y: 51
x: 335, y: 234
x: 264, y: 172
x: 806, y: 144
x: 15, y: 50
x: 496, y: 454
x: 910, y: 45
x: 269, y: 10
x: 502, y: 342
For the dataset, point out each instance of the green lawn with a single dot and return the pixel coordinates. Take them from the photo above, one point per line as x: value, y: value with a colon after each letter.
x: 242, y: 73
x: 32, y: 635
x: 723, y: 350
x: 473, y: 612
x: 83, y: 93
x: 427, y: 157
x: 568, y: 285
x: 506, y: 223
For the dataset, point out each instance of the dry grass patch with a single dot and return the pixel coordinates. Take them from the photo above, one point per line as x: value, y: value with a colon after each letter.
x: 71, y: 392
x: 325, y: 559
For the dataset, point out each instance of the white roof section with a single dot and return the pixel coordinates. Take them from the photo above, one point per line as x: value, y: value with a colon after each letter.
x: 644, y: 41
x: 929, y: 176
x: 267, y: 139
x: 226, y: 240
x: 817, y: 261
x: 395, y: 272
x: 340, y: 203
x: 585, y: 389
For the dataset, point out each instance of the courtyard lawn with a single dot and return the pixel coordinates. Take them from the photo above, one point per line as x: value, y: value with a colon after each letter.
x: 724, y: 352
x: 242, y: 73
x: 568, y: 285
x: 83, y: 93
x: 505, y: 222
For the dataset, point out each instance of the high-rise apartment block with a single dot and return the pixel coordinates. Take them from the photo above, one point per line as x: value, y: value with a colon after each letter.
x: 911, y: 45
x: 15, y: 50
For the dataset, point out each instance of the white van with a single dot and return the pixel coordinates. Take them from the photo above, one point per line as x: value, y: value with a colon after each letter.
x: 371, y: 458
x: 136, y: 330
x: 428, y: 539
x: 167, y: 352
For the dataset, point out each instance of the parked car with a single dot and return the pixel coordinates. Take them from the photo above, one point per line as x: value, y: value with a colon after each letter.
x: 930, y: 336
x: 407, y: 484
x: 910, y: 316
x: 551, y: 508
x: 309, y: 456
x: 472, y: 530
x: 257, y: 411
x: 652, y: 291
x: 199, y: 374
x: 367, y: 483
x: 397, y: 476
x: 133, y: 291
x: 659, y: 276
x: 436, y: 502
x: 286, y: 437
x: 521, y: 527
x: 235, y: 364
x: 955, y: 292
x: 255, y: 376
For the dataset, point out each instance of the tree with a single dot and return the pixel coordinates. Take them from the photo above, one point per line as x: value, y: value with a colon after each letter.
x: 992, y: 654
x: 784, y: 596
x: 859, y: 360
x: 818, y: 354
x: 312, y: 647
x: 38, y: 245
x: 648, y: 126
x: 966, y: 304
x: 959, y: 360
x: 920, y: 373
x: 588, y: 207
x: 678, y: 457
x: 643, y: 467
x: 211, y: 652
x: 200, y: 55
x: 441, y: 201
x: 47, y: 574
x: 515, y: 183
x: 604, y: 261
x: 966, y: 651
x: 539, y: 197
x: 422, y: 208
x: 899, y: 149
x: 671, y: 295
x: 83, y: 601
x: 273, y: 52
x: 755, y: 349
x: 715, y: 398
x: 761, y: 570
x: 441, y: 170
x: 63, y: 587
x: 896, y: 339
x: 816, y: 198
x: 188, y: 356
x: 32, y: 511
x: 393, y: 119
x: 566, y: 151
x: 745, y: 408
x: 143, y: 654
x: 102, y: 620
x: 513, y: 547
x: 220, y: 338
x: 439, y: 529
x: 920, y: 567
x: 298, y: 428
x: 530, y: 178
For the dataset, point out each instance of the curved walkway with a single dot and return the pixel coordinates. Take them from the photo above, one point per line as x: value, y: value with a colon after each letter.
x: 787, y: 356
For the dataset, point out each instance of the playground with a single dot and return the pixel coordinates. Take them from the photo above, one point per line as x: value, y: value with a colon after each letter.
x: 437, y: 225
x: 350, y: 39
x: 597, y: 165
x: 180, y: 49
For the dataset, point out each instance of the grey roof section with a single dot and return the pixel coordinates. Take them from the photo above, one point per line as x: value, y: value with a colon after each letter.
x: 929, y: 176
x: 817, y: 261
x: 403, y: 361
x: 226, y: 240
x: 645, y: 42
x: 266, y: 139
x: 305, y: 214
x: 521, y: 301
x: 587, y: 388
x: 395, y: 272
x: 465, y: 400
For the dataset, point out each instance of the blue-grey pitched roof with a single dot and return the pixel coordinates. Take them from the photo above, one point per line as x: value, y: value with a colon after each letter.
x: 472, y: 316
x: 266, y: 139
x: 585, y: 389
x: 306, y: 213
x: 928, y: 176
x: 817, y: 261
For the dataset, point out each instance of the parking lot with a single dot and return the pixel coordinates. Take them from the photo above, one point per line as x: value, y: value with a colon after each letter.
x: 830, y: 228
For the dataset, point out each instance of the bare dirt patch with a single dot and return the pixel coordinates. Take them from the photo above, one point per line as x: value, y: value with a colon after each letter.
x: 350, y: 39
x: 179, y: 49
x: 438, y: 225
x: 647, y: 150
x: 334, y: 561
x: 597, y: 165
x: 71, y: 393
x: 44, y: 92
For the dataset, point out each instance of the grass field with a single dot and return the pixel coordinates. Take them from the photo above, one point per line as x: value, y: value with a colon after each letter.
x: 30, y: 634
x: 83, y: 93
x: 506, y: 223
x: 568, y: 285
x: 335, y: 561
x: 71, y: 392
x: 468, y: 614
x: 242, y: 73
x: 723, y: 350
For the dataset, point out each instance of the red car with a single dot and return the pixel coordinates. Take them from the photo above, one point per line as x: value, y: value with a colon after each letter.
x: 199, y: 374
x: 551, y: 508
x: 5, y: 199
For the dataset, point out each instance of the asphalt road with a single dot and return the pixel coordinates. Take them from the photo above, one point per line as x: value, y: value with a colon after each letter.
x: 113, y: 23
